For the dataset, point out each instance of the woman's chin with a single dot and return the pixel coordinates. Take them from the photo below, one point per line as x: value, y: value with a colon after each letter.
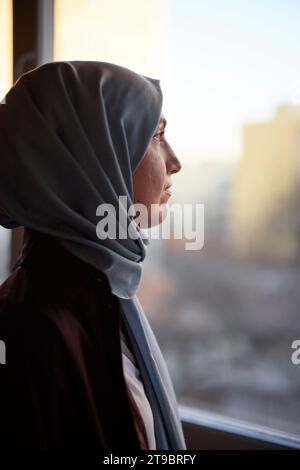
x: 159, y: 216
x: 155, y: 216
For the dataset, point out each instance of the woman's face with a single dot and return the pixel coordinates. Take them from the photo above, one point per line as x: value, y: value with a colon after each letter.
x: 153, y: 175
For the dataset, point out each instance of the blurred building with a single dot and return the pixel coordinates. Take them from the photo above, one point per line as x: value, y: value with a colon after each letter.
x: 93, y: 30
x: 265, y: 212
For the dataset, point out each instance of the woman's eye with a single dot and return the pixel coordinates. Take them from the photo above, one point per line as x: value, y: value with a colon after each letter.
x: 159, y: 135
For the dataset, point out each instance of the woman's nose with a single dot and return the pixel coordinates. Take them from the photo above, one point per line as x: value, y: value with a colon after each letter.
x: 173, y: 163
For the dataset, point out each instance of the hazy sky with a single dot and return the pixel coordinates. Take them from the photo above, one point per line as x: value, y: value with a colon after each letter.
x: 229, y: 61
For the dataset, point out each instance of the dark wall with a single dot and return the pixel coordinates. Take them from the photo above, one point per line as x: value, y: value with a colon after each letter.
x: 25, y: 17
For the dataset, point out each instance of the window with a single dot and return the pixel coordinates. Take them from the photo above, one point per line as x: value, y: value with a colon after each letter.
x: 226, y: 316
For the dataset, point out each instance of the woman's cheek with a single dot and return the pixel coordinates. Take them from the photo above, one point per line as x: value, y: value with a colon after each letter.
x: 160, y: 177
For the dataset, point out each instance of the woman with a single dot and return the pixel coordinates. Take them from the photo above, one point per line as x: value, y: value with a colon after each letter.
x: 83, y: 368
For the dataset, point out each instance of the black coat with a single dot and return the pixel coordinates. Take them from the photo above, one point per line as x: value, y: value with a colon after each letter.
x: 62, y: 385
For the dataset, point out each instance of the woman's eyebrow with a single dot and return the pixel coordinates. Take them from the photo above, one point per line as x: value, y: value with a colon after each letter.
x: 162, y: 123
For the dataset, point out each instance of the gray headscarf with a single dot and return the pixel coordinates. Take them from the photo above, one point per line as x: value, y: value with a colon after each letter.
x: 71, y: 135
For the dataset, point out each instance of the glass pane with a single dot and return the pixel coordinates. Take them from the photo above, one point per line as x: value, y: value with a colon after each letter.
x: 225, y: 315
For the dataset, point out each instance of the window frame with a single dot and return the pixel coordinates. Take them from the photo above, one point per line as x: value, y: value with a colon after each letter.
x: 208, y: 431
